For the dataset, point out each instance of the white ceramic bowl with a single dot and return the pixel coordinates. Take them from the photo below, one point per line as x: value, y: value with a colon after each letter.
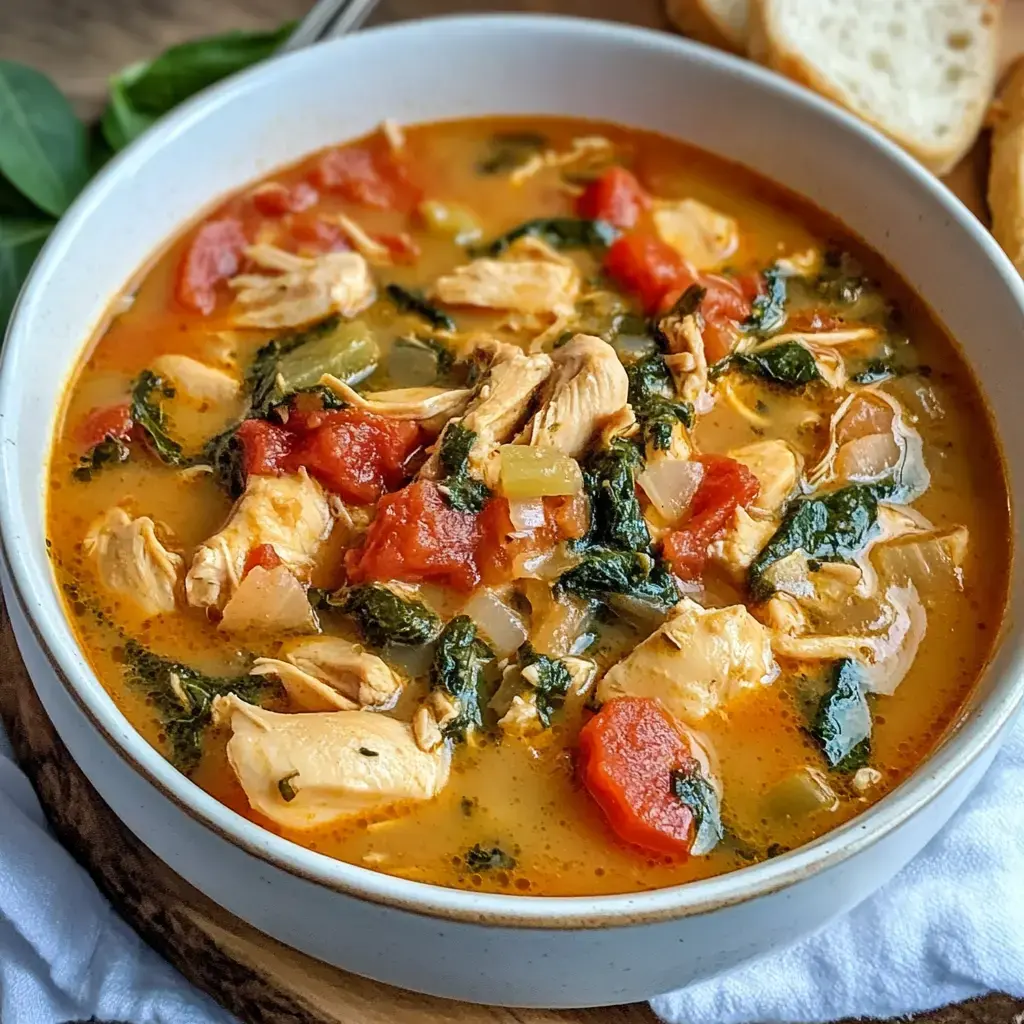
x: 491, y: 948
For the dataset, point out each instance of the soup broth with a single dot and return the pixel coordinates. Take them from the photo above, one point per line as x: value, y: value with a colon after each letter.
x: 531, y: 506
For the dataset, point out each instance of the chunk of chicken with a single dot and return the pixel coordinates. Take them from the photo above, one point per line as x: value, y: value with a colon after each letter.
x: 305, y: 771
x: 518, y: 284
x: 585, y: 150
x: 327, y: 672
x: 498, y: 407
x: 195, y: 381
x: 697, y: 662
x: 403, y: 403
x: 270, y: 600
x: 522, y: 719
x: 586, y: 390
x: 686, y: 360
x: 290, y: 513
x: 131, y: 561
x: 777, y: 468
x: 741, y: 543
x: 699, y: 233
x: 306, y: 289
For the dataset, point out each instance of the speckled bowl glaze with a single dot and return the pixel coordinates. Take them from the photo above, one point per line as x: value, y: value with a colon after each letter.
x: 506, y: 949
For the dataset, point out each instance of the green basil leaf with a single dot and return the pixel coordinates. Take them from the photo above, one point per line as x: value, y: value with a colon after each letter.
x: 20, y: 242
x: 43, y: 150
x: 121, y: 123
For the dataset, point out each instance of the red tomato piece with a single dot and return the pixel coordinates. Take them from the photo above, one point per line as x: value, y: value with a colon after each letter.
x: 723, y: 308
x: 113, y: 421
x: 213, y: 256
x: 368, y: 176
x: 616, y: 197
x: 648, y: 267
x: 263, y: 555
x: 726, y: 485
x: 275, y: 199
x: 403, y: 247
x: 310, y: 233
x: 354, y: 454
x: 418, y: 537
x: 266, y: 446
x: 627, y: 753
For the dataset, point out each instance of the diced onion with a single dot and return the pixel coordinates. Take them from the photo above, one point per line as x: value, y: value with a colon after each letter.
x: 529, y: 471
x: 502, y: 626
x: 526, y: 513
x: 867, y: 458
x: 671, y: 485
x: 272, y: 600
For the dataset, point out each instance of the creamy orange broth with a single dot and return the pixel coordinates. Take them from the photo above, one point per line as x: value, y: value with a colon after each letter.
x: 524, y: 796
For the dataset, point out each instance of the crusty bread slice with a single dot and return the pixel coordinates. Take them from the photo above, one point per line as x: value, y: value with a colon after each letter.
x: 721, y: 23
x: 922, y: 71
x: 1006, y: 172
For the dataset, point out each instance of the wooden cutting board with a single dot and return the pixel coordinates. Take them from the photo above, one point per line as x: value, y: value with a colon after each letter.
x: 255, y: 977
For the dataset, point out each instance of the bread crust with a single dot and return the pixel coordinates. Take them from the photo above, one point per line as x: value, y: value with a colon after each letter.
x: 693, y: 18
x: 1006, y: 171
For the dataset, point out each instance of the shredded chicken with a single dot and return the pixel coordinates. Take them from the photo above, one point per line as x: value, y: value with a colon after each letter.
x: 521, y: 720
x: 587, y: 389
x: 305, y: 289
x: 686, y: 359
x: 585, y: 149
x: 403, y: 403
x: 131, y: 561
x: 697, y: 662
x: 742, y: 541
x: 777, y: 468
x: 290, y: 513
x: 195, y: 381
x: 699, y: 233
x: 306, y: 771
x: 376, y: 253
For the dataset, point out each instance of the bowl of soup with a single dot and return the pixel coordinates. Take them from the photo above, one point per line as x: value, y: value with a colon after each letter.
x: 519, y: 508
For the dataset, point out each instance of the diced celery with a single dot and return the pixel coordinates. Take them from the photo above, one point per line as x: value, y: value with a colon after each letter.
x: 348, y: 352
x: 452, y: 220
x: 413, y: 363
x: 803, y: 793
x: 532, y: 472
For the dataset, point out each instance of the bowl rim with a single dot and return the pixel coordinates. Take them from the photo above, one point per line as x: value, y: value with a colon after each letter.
x: 968, y: 739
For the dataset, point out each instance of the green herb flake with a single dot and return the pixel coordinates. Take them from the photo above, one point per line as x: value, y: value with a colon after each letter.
x: 507, y: 151
x: 411, y: 301
x: 842, y: 724
x: 286, y: 788
x: 479, y: 858
x: 367, y: 752
x: 110, y: 452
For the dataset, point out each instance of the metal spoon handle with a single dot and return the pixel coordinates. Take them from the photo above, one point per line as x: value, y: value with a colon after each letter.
x: 328, y: 19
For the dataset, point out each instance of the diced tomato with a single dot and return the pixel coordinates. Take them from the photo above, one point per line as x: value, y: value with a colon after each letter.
x: 418, y: 537
x: 114, y: 421
x: 355, y: 454
x: 213, y: 256
x: 403, y: 247
x: 310, y: 233
x: 263, y: 555
x: 616, y: 197
x: 726, y: 485
x: 266, y: 447
x: 368, y: 175
x: 648, y: 267
x: 627, y: 753
x: 570, y: 515
x: 723, y: 308
x: 275, y: 199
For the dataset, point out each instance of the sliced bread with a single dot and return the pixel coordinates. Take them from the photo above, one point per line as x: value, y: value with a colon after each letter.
x: 922, y: 71
x: 721, y: 23
x: 1006, y: 172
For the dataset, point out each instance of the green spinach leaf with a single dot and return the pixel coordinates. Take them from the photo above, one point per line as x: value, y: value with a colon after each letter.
x: 480, y: 858
x: 227, y: 457
x: 463, y: 492
x: 835, y: 526
x: 691, y: 787
x: 458, y: 670
x: 508, y: 150
x: 842, y: 724
x: 20, y: 242
x: 788, y: 364
x: 652, y: 397
x: 549, y: 678
x: 385, y: 618
x: 558, y: 232
x: 110, y: 452
x: 43, y: 150
x: 603, y: 573
x: 616, y: 520
x: 147, y: 412
x: 769, y: 310
x: 409, y: 301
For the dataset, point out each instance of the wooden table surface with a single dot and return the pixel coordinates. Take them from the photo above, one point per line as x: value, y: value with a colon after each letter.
x: 80, y: 42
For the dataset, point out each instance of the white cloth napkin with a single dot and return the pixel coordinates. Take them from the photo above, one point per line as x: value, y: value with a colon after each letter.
x: 948, y: 927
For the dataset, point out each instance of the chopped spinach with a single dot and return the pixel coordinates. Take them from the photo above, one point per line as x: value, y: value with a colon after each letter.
x: 688, y: 303
x: 479, y: 858
x: 109, y: 452
x: 834, y: 526
x: 385, y: 618
x: 603, y: 573
x: 616, y: 520
x: 841, y: 281
x: 549, y: 678
x: 558, y: 232
x: 148, y: 413
x: 285, y: 788
x: 464, y: 493
x: 691, y: 787
x: 652, y: 397
x: 508, y: 150
x: 874, y: 371
x: 227, y: 457
x: 458, y: 670
x: 788, y: 364
x: 409, y: 301
x: 842, y: 724
x: 184, y: 697
x: 768, y: 313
